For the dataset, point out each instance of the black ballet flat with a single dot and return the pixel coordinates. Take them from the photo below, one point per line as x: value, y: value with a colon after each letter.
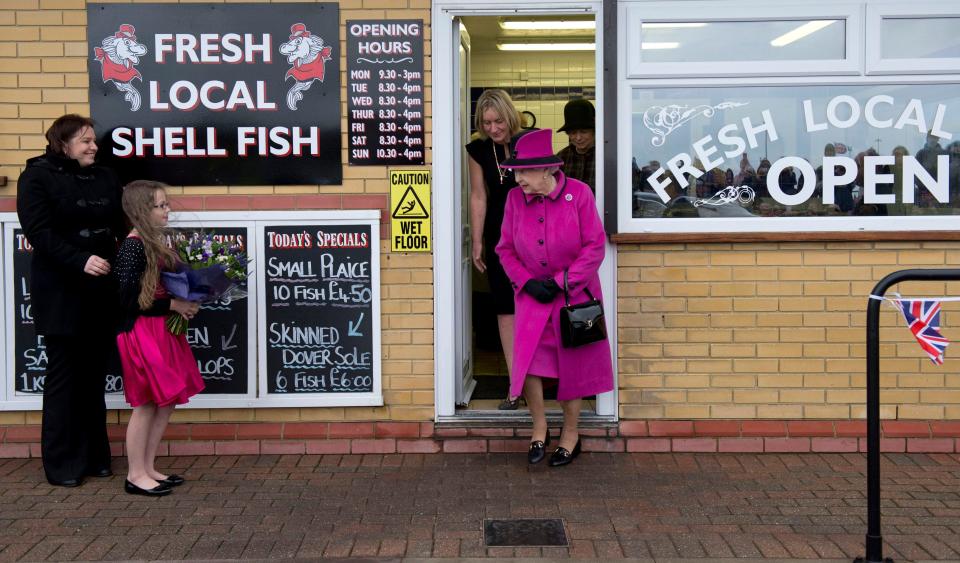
x: 509, y: 404
x: 68, y: 483
x: 172, y: 480
x: 158, y: 491
x: 563, y: 457
x: 538, y: 450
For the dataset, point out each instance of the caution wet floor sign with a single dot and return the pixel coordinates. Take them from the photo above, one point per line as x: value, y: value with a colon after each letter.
x: 410, y: 211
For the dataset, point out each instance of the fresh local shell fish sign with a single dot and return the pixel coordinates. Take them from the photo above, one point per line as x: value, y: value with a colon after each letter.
x: 837, y: 113
x: 207, y: 94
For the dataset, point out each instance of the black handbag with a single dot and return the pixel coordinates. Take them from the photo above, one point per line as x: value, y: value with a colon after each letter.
x: 582, y: 323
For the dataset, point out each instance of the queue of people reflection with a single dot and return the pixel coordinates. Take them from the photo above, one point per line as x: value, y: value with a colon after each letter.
x: 867, y: 183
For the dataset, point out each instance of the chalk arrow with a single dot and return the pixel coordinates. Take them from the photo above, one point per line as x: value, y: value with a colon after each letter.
x: 352, y: 328
x: 226, y: 340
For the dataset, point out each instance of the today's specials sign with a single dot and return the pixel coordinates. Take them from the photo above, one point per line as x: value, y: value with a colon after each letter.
x: 207, y: 94
x: 319, y: 310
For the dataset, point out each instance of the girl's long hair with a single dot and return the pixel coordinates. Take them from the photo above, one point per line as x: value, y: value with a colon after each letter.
x: 138, y: 200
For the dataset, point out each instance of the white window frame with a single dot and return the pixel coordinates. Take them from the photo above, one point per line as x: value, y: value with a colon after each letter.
x: 626, y: 223
x: 633, y: 13
x: 876, y: 13
x: 256, y: 396
x: 446, y: 140
x: 366, y: 217
x: 721, y: 10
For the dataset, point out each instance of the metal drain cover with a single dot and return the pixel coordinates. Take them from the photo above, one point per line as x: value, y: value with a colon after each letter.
x: 524, y: 532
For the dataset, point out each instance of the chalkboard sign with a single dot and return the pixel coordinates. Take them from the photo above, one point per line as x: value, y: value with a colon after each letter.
x: 27, y: 354
x: 385, y: 99
x: 307, y: 334
x: 320, y: 320
x: 30, y: 355
x: 218, y: 334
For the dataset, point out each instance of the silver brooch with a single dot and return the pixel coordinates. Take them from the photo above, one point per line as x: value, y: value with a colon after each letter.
x: 568, y: 197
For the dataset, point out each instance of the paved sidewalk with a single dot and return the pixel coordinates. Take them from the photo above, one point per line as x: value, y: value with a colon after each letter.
x: 661, y: 507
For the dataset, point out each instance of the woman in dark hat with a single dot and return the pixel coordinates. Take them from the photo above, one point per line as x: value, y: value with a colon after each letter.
x: 69, y: 208
x: 580, y: 156
x: 551, y: 227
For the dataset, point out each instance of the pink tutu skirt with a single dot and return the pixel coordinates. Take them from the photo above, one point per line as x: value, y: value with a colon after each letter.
x: 158, y: 367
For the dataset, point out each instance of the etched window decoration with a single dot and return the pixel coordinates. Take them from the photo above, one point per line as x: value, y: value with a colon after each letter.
x: 788, y: 151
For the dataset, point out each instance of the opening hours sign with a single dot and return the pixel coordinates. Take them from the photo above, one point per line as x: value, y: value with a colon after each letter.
x: 410, y: 211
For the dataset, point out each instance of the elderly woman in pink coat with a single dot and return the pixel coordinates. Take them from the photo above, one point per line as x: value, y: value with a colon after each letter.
x: 551, y: 226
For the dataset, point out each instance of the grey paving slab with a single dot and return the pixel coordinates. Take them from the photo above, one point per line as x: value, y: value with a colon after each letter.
x: 658, y: 508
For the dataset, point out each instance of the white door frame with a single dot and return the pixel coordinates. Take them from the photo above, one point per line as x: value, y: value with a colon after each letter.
x: 446, y: 140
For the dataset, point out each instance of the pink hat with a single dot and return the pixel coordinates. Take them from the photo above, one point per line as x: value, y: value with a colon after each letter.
x: 533, y: 149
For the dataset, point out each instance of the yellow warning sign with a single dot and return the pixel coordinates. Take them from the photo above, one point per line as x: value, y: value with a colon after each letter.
x: 410, y: 211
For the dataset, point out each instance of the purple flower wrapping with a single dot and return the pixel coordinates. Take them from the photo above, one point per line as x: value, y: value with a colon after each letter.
x: 200, y: 285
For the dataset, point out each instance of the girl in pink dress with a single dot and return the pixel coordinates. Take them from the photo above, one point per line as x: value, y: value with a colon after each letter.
x: 159, y: 370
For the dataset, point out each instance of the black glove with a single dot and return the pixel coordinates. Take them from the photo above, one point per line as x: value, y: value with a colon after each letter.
x: 539, y: 290
x: 552, y: 286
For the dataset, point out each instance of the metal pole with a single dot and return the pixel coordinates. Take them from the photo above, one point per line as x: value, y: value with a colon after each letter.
x: 874, y: 539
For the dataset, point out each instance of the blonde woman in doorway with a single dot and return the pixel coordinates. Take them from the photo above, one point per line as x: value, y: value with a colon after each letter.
x: 496, y: 121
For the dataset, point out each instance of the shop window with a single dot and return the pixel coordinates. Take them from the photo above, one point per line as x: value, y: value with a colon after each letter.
x: 751, y: 154
x: 765, y: 40
x: 913, y: 38
x: 736, y: 39
x: 920, y: 38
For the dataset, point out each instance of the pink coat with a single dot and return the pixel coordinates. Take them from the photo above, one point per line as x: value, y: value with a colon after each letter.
x: 542, y: 236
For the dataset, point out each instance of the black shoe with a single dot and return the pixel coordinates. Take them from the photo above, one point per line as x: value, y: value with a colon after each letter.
x: 158, y: 491
x: 538, y: 450
x: 509, y: 404
x: 105, y: 472
x: 172, y: 480
x: 65, y: 482
x: 562, y: 457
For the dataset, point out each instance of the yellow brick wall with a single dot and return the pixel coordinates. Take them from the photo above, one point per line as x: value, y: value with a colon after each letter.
x: 43, y: 74
x: 776, y: 331
x: 705, y: 330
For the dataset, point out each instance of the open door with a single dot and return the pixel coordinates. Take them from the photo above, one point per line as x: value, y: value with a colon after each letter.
x: 461, y: 57
x: 464, y: 338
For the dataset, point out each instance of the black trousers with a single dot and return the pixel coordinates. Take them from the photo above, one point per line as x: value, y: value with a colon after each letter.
x: 73, y: 439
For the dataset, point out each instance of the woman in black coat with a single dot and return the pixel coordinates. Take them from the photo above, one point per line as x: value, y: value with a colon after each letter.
x: 69, y: 209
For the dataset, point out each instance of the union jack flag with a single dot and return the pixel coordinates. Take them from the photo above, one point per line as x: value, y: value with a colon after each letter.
x: 923, y: 320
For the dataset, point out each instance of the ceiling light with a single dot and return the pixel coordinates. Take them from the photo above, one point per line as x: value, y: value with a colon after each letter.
x: 801, y: 32
x: 677, y: 25
x: 548, y: 24
x: 653, y: 45
x: 546, y: 46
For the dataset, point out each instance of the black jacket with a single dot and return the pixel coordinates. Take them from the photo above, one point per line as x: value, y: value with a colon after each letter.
x: 131, y: 263
x: 69, y: 213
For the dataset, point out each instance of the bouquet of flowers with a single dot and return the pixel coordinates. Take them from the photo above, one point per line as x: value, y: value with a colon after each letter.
x: 210, y: 269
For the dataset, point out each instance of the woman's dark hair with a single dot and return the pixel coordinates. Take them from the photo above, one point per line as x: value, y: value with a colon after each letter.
x: 64, y: 129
